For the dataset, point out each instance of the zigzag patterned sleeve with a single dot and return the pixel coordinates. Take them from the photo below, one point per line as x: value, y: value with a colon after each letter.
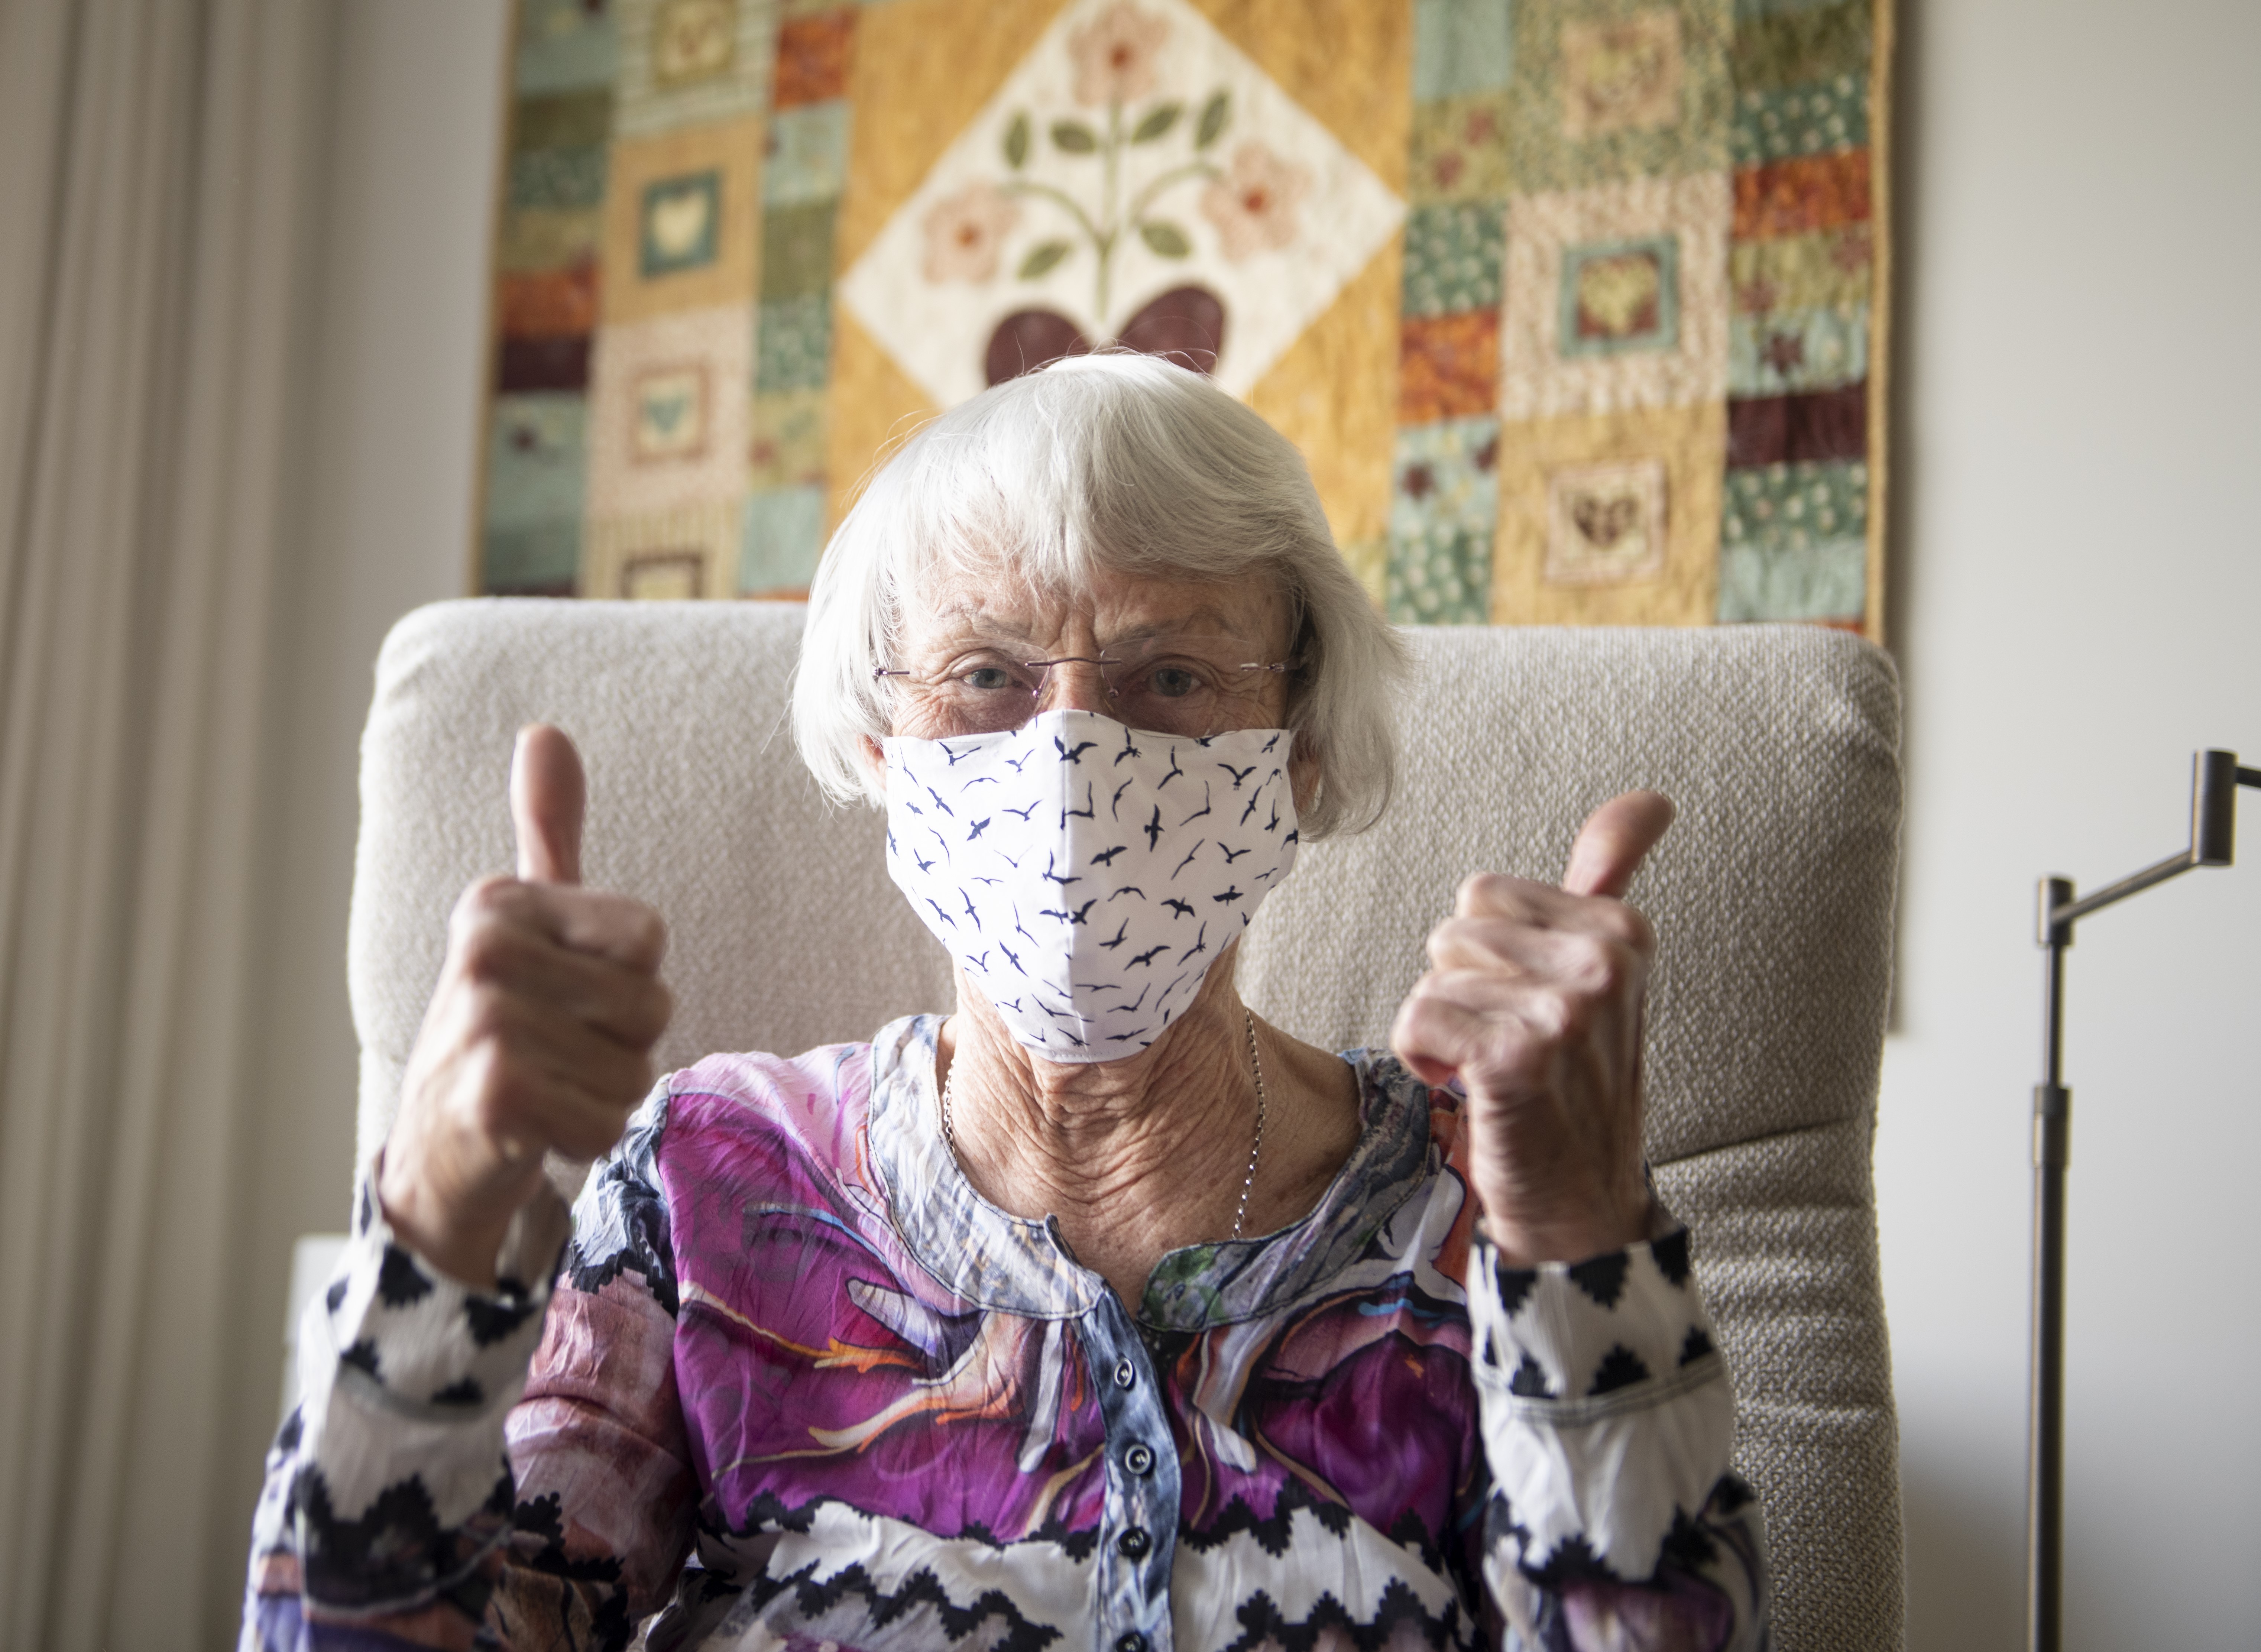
x: 415, y: 1499
x: 1614, y: 1521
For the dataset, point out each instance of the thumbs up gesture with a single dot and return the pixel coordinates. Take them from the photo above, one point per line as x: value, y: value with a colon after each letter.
x: 1534, y: 1001
x: 539, y: 1035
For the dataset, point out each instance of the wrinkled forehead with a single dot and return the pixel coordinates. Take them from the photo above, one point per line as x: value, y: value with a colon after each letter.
x: 991, y: 600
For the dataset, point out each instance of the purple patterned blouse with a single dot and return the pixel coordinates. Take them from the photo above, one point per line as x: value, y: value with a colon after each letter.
x: 797, y: 1385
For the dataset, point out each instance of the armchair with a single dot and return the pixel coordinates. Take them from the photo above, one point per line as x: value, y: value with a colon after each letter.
x: 1772, y: 896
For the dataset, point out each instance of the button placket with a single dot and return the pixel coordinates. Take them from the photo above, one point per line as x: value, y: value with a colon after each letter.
x: 1139, y: 1522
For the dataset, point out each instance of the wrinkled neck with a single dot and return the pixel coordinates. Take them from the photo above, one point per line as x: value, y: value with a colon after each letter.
x: 1134, y: 1157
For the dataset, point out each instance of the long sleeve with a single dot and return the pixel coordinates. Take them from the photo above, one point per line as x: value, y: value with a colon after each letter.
x: 1613, y: 1520
x: 502, y: 1468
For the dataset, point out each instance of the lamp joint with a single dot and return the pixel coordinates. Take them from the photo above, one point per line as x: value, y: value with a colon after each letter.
x: 2052, y: 1126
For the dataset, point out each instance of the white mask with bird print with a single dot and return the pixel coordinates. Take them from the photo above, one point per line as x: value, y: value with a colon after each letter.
x: 1084, y: 875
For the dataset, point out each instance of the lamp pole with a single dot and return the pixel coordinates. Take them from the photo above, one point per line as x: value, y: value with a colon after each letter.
x: 2214, y: 780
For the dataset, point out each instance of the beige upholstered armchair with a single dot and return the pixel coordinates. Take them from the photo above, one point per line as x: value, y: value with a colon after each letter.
x: 1772, y: 896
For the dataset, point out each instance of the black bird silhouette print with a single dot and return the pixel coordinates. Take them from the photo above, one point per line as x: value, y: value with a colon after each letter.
x: 1022, y: 873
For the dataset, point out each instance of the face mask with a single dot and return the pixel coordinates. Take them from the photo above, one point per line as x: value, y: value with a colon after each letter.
x: 1086, y: 876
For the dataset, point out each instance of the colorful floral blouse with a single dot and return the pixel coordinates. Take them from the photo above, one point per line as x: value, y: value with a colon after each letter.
x: 797, y: 1385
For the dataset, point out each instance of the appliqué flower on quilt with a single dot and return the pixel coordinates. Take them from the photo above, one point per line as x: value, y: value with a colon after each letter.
x: 1136, y: 178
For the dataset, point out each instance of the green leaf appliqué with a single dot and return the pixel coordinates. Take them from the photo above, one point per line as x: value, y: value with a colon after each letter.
x: 1166, y: 239
x: 1214, y: 114
x: 1158, y: 120
x: 1042, y: 257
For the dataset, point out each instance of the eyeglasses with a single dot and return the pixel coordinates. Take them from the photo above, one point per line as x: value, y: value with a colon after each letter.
x: 1163, y: 687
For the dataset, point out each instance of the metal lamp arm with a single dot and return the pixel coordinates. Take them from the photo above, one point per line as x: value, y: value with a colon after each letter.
x: 2214, y: 780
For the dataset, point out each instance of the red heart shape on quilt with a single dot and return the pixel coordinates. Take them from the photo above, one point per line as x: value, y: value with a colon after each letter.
x: 1184, y: 325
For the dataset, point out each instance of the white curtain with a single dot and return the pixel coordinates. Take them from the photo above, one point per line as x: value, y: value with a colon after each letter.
x: 157, y: 183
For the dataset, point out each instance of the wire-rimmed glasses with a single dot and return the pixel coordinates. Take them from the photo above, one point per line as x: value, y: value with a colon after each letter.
x: 1166, y: 686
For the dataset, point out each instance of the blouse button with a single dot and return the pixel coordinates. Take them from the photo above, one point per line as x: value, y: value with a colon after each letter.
x: 1134, y: 1543
x: 1139, y: 1460
x: 1130, y: 1641
x: 1126, y: 1375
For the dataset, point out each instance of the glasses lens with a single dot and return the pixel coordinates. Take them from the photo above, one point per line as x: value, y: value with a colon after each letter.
x: 1185, y: 689
x: 1188, y: 688
x: 981, y: 693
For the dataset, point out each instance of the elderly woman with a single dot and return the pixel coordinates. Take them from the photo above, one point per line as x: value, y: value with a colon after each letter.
x: 1097, y: 1313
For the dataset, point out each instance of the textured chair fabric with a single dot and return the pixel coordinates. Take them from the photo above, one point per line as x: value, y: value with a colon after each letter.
x: 1772, y: 896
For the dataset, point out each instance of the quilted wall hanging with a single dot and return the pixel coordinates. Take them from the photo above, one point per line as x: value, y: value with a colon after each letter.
x: 1575, y: 307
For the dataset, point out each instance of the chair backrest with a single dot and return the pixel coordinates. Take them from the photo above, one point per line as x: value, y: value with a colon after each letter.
x: 1772, y: 896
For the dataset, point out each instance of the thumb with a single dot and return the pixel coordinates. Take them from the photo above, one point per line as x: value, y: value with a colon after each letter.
x: 547, y: 796
x: 1614, y: 841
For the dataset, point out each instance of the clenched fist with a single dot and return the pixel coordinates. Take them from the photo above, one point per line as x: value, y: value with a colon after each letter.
x: 540, y: 1035
x: 1534, y: 999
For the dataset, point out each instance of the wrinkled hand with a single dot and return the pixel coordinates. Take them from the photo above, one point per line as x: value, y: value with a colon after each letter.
x: 539, y: 1036
x: 1534, y: 1001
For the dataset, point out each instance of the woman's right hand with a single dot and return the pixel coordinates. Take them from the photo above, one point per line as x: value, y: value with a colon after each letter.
x: 540, y: 1035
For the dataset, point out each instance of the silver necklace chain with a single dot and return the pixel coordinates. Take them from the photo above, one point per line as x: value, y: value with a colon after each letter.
x: 1256, y: 1066
x: 1255, y: 1148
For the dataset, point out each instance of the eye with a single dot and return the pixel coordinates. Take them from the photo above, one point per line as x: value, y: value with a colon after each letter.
x: 1172, y: 682
x: 990, y: 678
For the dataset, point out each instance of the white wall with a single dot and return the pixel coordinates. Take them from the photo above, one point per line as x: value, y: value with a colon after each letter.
x: 2079, y: 582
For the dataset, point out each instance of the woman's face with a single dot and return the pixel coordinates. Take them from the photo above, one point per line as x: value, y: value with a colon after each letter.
x: 975, y: 633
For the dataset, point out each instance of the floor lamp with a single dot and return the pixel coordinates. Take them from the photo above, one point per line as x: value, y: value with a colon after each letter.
x: 2214, y: 780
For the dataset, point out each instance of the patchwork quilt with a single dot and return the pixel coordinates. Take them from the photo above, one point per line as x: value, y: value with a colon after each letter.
x: 1575, y: 307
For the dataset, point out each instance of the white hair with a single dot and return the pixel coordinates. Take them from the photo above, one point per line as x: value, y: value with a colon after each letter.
x: 1113, y: 462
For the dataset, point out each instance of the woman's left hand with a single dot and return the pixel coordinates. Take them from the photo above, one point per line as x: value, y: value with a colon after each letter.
x: 1534, y: 1001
